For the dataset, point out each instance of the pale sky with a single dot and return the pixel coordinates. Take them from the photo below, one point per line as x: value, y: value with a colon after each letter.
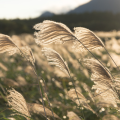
x: 10, y: 9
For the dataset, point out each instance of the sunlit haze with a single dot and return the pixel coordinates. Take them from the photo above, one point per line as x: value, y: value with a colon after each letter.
x: 10, y: 9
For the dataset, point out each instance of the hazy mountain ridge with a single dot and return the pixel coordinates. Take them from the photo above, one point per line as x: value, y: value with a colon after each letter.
x: 99, y: 5
x: 47, y: 14
x: 94, y: 5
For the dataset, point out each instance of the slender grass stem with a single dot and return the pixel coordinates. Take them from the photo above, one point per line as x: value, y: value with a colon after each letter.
x: 76, y: 94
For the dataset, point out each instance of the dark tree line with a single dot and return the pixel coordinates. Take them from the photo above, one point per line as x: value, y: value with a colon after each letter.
x: 96, y: 21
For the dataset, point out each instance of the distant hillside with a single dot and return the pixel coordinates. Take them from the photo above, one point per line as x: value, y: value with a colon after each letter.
x: 46, y: 14
x: 99, y: 6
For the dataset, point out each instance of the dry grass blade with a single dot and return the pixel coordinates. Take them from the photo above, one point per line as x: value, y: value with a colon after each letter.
x: 18, y: 103
x: 88, y: 38
x: 38, y: 109
x: 83, y: 101
x: 54, y: 58
x: 50, y: 31
x: 7, y: 45
x: 72, y: 116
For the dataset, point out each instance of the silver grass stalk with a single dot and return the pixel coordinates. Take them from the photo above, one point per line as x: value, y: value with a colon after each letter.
x: 35, y: 108
x: 7, y: 45
x: 84, y: 39
x: 83, y: 100
x: 88, y: 38
x: 50, y: 31
x: 18, y: 103
x: 55, y: 58
x: 100, y: 75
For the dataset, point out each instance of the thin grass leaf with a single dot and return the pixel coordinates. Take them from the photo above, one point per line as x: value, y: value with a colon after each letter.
x: 18, y: 103
x: 88, y: 38
x: 50, y: 31
x: 55, y: 58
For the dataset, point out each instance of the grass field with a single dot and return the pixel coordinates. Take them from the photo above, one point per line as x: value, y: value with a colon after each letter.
x: 16, y: 72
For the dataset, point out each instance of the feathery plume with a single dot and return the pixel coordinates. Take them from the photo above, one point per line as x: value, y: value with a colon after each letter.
x: 72, y: 116
x: 38, y: 109
x: 99, y: 74
x: 83, y: 101
x: 27, y: 53
x: 84, y: 39
x: 54, y: 58
x: 50, y: 31
x: 7, y: 45
x: 88, y: 38
x: 105, y: 95
x: 18, y: 103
